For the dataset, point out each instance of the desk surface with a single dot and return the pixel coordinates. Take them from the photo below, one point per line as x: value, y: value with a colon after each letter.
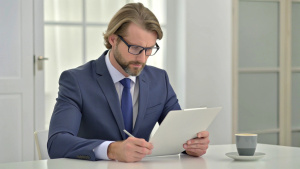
x: 276, y: 157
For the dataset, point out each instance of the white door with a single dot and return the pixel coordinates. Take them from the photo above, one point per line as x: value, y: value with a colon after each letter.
x: 17, y: 81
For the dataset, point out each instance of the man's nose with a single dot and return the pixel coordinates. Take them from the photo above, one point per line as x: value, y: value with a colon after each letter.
x: 142, y: 57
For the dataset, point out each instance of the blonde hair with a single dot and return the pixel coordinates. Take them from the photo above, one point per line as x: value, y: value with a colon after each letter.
x: 132, y: 13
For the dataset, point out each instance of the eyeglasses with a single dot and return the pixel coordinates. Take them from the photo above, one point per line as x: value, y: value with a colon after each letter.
x: 136, y: 50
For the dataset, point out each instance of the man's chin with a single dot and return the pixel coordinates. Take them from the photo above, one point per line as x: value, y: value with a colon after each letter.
x: 134, y: 71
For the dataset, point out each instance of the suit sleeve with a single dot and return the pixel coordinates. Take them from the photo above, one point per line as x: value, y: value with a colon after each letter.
x: 171, y: 102
x: 65, y: 122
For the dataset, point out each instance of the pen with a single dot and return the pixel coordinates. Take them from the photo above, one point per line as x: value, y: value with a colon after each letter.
x: 128, y: 133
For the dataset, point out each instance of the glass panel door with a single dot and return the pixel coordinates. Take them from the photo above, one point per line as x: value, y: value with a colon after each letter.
x: 258, y: 69
x: 295, y: 74
x: 258, y: 34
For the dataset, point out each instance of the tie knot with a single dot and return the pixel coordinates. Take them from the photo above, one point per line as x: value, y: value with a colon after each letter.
x: 125, y: 82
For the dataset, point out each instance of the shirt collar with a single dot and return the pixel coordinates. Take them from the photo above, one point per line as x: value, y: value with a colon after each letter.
x: 114, y: 73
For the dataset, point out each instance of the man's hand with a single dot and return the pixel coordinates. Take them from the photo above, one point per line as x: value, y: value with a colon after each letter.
x: 130, y: 150
x: 197, y: 146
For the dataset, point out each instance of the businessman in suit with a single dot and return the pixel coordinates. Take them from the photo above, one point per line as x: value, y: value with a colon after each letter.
x: 99, y: 99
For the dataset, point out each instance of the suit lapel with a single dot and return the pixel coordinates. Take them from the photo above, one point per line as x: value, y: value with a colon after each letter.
x: 108, y: 88
x: 143, y: 100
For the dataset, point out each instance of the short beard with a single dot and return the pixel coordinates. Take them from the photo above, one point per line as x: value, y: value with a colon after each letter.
x: 125, y: 65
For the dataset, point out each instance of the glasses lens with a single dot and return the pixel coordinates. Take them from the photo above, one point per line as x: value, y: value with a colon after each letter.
x: 151, y: 51
x: 135, y: 50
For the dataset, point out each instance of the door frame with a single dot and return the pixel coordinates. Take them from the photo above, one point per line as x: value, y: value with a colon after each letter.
x: 39, y: 84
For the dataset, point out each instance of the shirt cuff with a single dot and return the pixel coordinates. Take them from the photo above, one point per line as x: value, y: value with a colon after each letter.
x: 101, y: 150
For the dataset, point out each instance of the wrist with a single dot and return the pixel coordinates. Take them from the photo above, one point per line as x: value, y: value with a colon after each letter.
x: 110, y: 151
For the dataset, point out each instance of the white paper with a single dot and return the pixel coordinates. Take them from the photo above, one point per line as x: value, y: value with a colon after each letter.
x: 180, y: 126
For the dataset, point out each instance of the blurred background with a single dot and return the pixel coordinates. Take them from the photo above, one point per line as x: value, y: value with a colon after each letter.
x: 242, y: 55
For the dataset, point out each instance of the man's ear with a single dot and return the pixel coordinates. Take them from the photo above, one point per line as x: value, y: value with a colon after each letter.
x: 112, y: 39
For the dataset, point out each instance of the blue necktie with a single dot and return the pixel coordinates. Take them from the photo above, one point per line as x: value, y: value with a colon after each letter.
x: 126, y: 105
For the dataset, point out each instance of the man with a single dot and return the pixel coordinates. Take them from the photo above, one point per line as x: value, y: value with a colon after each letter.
x: 99, y: 99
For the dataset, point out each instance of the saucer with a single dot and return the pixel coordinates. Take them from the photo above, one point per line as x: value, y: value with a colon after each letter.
x: 236, y: 156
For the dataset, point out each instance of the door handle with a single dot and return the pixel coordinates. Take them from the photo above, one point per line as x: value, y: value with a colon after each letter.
x: 40, y: 63
x: 42, y: 58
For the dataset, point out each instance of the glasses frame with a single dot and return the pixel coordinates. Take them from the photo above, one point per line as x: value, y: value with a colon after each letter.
x: 156, y: 47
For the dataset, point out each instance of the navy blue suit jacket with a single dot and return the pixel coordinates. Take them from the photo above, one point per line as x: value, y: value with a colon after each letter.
x: 88, y: 112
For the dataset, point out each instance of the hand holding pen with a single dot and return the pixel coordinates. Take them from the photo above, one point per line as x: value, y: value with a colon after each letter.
x: 130, y: 150
x: 126, y: 132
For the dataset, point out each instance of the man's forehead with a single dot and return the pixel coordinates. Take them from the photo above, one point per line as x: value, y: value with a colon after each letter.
x: 134, y: 28
x: 136, y: 35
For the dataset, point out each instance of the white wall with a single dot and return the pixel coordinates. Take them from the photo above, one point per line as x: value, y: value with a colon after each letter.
x: 199, y: 65
x: 201, y: 57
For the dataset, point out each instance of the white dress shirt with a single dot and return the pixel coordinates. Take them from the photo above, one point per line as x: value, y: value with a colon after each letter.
x: 101, y: 150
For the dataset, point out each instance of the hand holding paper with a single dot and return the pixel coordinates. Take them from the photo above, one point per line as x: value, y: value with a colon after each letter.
x: 197, y: 146
x: 181, y: 126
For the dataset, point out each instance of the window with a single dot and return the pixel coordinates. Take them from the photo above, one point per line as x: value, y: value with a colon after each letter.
x: 73, y: 36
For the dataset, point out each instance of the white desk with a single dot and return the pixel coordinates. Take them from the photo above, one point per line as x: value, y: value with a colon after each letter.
x: 276, y: 157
